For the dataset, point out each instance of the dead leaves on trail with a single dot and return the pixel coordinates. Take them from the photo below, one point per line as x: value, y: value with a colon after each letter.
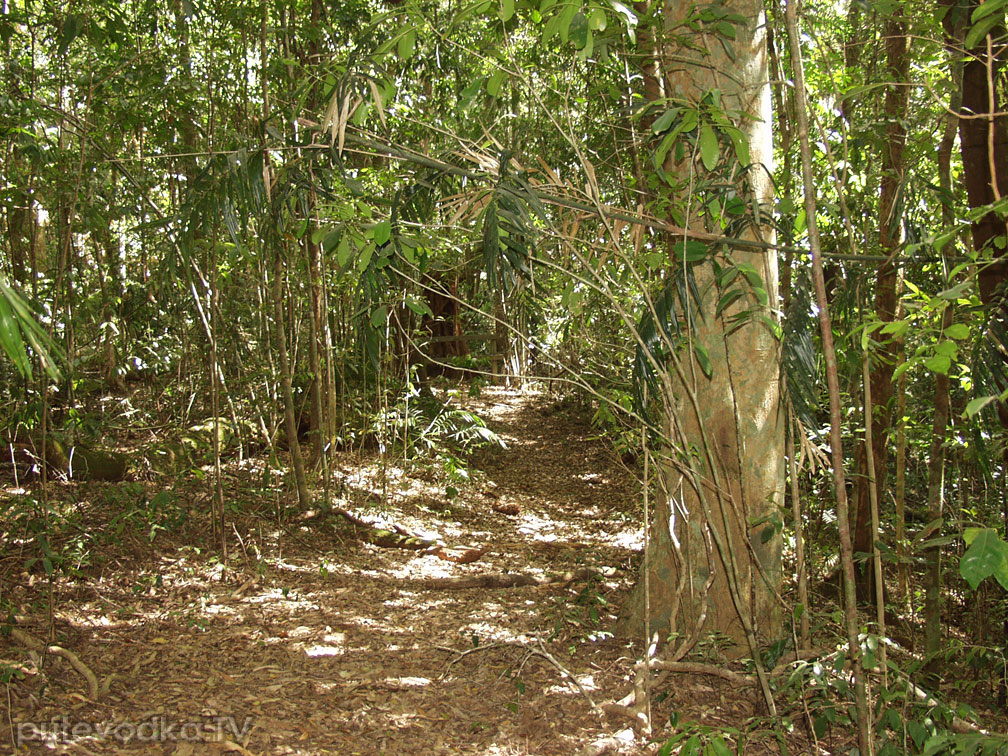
x: 326, y: 642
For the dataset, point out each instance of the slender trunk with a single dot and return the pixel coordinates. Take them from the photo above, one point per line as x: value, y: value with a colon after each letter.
x: 936, y: 501
x: 833, y: 383
x: 796, y: 514
x: 903, y: 567
x: 279, y: 330
x: 286, y: 391
x: 876, y: 554
x: 890, y: 241
x: 939, y: 428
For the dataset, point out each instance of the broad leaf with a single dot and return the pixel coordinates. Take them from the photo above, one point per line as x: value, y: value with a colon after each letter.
x: 709, y: 150
x: 986, y: 556
x: 578, y: 30
x: 382, y: 232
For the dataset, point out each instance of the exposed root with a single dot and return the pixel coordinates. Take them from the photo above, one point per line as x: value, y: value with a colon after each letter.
x: 40, y: 648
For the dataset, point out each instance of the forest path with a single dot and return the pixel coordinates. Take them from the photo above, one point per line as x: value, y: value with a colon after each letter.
x: 322, y: 644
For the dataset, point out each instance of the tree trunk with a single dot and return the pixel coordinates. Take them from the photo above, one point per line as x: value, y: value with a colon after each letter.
x: 984, y: 142
x: 851, y: 619
x: 936, y: 501
x: 890, y: 239
x: 279, y: 331
x: 714, y: 565
x: 939, y: 428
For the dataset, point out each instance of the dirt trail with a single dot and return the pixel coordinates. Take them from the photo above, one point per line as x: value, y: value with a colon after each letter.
x: 333, y: 646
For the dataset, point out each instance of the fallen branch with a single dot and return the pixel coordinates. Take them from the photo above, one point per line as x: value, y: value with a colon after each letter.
x: 507, y: 580
x: 40, y: 648
x: 564, y: 672
x: 958, y: 724
x: 696, y: 668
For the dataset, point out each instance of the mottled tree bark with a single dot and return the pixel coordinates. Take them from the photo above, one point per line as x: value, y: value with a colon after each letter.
x: 714, y: 567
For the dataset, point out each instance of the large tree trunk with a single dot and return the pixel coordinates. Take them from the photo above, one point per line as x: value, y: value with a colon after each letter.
x: 714, y: 562
x: 983, y: 140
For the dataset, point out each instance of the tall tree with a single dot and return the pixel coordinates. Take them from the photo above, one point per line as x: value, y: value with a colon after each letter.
x: 714, y: 561
x: 890, y: 238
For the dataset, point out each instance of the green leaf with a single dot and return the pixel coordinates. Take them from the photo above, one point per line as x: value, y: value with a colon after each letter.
x: 719, y: 748
x: 691, y: 250
x: 507, y: 10
x: 406, y: 44
x: 952, y: 294
x: 419, y: 306
x: 597, y: 20
x: 666, y: 144
x: 577, y: 32
x: 976, y: 405
x: 726, y: 299
x: 566, y: 17
x: 981, y: 29
x: 940, y: 364
x: 917, y: 732
x: 947, y: 348
x: 663, y: 121
x: 365, y: 258
x: 10, y: 339
x: 987, y: 8
x: 709, y: 150
x: 494, y: 83
x: 378, y: 316
x: 741, y: 144
x: 331, y: 240
x: 382, y: 232
x: 691, y: 747
x: 703, y: 359
x: 957, y: 331
x: 24, y: 319
x: 343, y: 252
x: 970, y: 534
x: 408, y: 251
x: 896, y: 327
x: 726, y: 29
x: 986, y: 556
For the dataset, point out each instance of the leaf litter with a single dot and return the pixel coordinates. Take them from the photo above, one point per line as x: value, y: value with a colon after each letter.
x: 313, y: 642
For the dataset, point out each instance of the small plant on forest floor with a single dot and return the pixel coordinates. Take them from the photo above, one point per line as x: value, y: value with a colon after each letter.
x: 519, y: 686
x: 610, y: 419
x: 694, y: 739
x: 60, y: 543
x: 713, y: 646
x: 420, y: 423
x: 581, y: 612
x: 904, y: 722
x: 163, y: 513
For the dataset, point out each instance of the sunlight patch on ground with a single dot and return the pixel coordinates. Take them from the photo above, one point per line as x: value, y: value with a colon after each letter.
x: 562, y: 689
x: 628, y: 539
x: 408, y: 682
x: 484, y: 631
x: 540, y: 528
x: 333, y: 645
x: 426, y: 566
